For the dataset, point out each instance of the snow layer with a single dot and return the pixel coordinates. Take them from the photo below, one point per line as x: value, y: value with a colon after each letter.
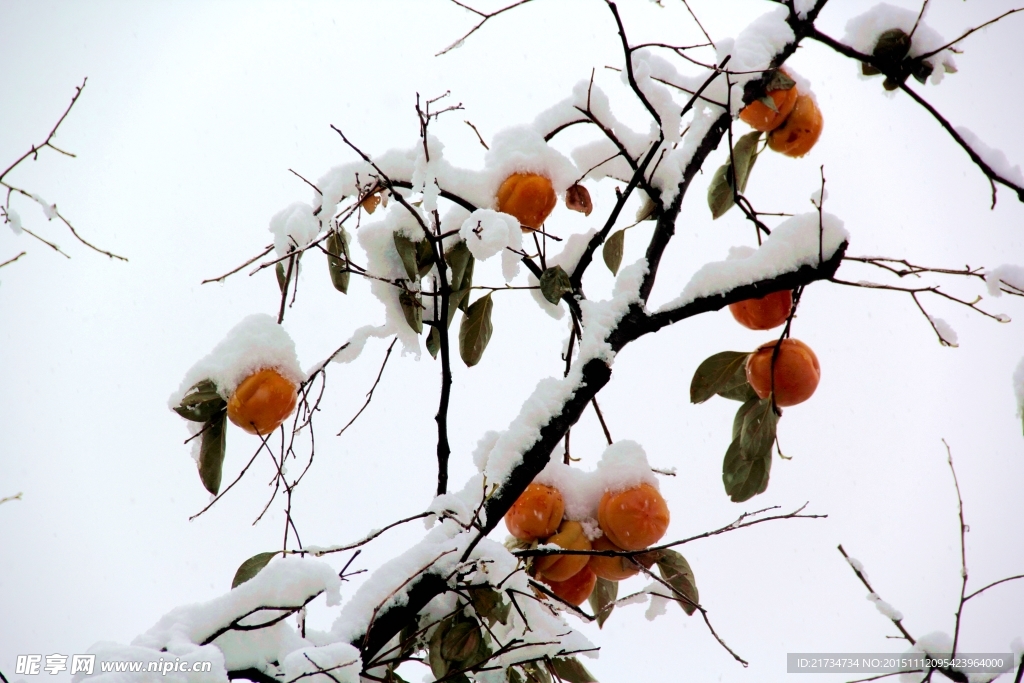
x: 255, y: 343
x: 1006, y: 274
x: 487, y: 232
x: 337, y: 662
x: 623, y: 465
x: 885, y: 608
x: 551, y: 395
x: 286, y: 582
x: 294, y: 227
x: 863, y: 31
x: 14, y: 220
x: 996, y: 159
x: 794, y: 243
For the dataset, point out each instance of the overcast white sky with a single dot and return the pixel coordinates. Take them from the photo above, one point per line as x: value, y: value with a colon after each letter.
x: 192, y: 115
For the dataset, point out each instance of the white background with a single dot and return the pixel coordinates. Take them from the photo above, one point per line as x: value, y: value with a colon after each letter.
x: 192, y: 115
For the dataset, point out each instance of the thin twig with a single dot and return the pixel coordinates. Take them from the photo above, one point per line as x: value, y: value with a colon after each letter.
x: 12, y: 260
x: 864, y: 580
x: 369, y: 394
x: 478, y: 136
x: 483, y: 21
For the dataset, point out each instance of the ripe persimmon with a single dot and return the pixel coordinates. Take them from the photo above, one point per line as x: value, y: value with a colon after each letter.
x: 527, y: 196
x: 576, y: 588
x: 537, y: 513
x: 760, y: 116
x: 796, y: 372
x: 560, y: 567
x: 262, y: 401
x: 635, y: 518
x: 765, y: 313
x: 615, y: 568
x: 800, y: 131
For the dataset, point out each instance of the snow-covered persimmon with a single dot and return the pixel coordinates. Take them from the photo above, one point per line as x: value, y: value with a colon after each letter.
x: 576, y: 588
x: 529, y: 197
x: 797, y: 372
x: 262, y: 401
x: 560, y: 567
x: 800, y: 131
x: 634, y: 518
x: 537, y: 513
x: 759, y: 116
x: 765, y: 313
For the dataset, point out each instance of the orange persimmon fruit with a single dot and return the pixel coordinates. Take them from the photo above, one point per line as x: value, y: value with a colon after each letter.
x: 760, y: 116
x: 537, y: 513
x: 576, y: 588
x: 765, y: 313
x: 560, y: 567
x: 800, y: 130
x: 634, y: 518
x: 527, y: 196
x: 262, y: 401
x: 797, y: 372
x: 615, y: 568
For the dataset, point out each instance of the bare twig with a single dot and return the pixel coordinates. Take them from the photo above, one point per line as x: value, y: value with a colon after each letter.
x: 485, y: 16
x: 7, y: 499
x: 864, y: 580
x: 478, y: 136
x: 12, y: 260
x: 231, y: 272
x: 369, y: 394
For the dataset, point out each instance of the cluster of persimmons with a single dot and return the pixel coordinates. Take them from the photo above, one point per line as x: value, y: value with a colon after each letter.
x: 796, y: 369
x: 791, y: 118
x: 630, y: 520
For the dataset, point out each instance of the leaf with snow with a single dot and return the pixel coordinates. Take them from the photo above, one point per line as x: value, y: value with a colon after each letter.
x: 252, y: 567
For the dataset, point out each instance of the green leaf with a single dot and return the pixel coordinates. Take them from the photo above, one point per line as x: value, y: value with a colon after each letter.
x: 720, y: 194
x: 513, y: 676
x: 438, y: 664
x: 554, y: 282
x: 459, y: 259
x: 467, y: 282
x: 461, y: 642
x: 780, y: 81
x: 601, y: 599
x: 612, y: 251
x: 892, y: 46
x: 337, y: 259
x: 744, y: 477
x: 676, y: 572
x: 745, y: 154
x: 741, y: 413
x: 569, y: 669
x: 717, y: 373
x: 211, y: 451
x: 251, y: 567
x: 720, y: 197
x: 489, y: 604
x: 769, y: 102
x: 201, y: 402
x: 535, y: 673
x: 412, y: 308
x: 457, y: 300
x: 282, y: 279
x: 433, y: 342
x: 407, y: 252
x: 424, y: 258
x: 475, y: 331
x: 922, y: 70
x: 758, y: 432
